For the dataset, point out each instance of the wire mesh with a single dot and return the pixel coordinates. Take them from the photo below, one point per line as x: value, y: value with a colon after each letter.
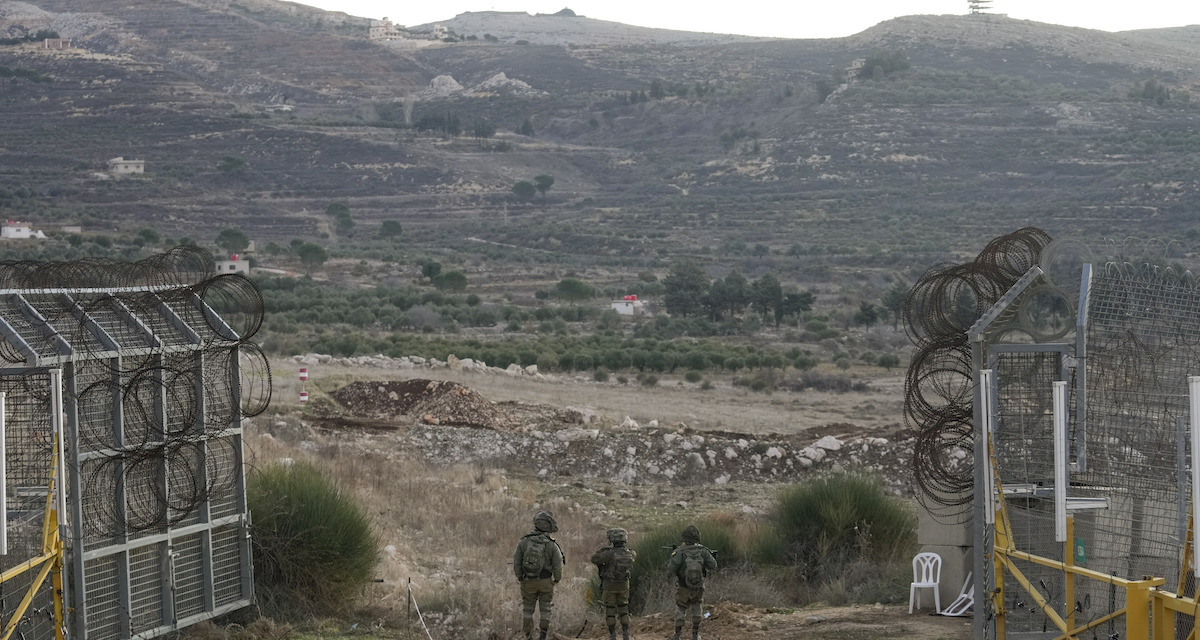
x: 102, y: 599
x: 30, y: 455
x: 145, y: 593
x: 227, y: 547
x: 189, y: 576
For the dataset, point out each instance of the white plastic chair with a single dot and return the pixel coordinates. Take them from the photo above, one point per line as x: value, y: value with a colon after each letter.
x: 927, y: 572
x: 966, y: 599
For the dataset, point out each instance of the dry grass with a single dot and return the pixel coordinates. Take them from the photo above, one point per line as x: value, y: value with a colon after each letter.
x: 451, y: 531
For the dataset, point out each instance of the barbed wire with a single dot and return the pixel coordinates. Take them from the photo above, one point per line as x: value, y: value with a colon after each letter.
x: 162, y: 366
x: 939, y: 386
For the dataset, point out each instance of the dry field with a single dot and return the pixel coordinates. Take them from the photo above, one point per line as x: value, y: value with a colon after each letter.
x: 722, y: 408
x: 449, y: 527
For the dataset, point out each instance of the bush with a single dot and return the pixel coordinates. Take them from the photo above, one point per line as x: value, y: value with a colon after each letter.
x: 314, y: 548
x: 888, y: 361
x: 804, y: 362
x: 547, y: 361
x: 833, y: 522
x: 693, y: 376
x: 600, y: 375
x: 695, y: 360
x: 649, y: 380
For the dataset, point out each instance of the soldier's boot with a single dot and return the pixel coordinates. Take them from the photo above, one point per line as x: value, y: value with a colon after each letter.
x: 612, y: 632
x: 695, y: 631
x: 624, y: 632
x: 542, y: 635
x: 678, y: 630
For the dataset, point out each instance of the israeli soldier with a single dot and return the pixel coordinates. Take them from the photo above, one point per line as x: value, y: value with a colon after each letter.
x: 690, y: 563
x: 613, y: 564
x: 538, y: 563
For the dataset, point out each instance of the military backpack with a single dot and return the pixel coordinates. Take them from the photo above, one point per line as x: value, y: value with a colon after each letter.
x: 692, y: 570
x: 618, y: 569
x: 533, y: 560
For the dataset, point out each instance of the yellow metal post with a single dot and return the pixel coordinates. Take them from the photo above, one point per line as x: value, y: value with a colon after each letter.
x: 1069, y: 560
x: 1137, y: 611
x: 1000, y: 542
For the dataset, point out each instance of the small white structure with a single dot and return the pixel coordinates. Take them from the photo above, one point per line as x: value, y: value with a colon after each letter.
x: 440, y: 31
x: 628, y: 306
x: 385, y: 30
x: 121, y: 166
x: 233, y: 265
x: 13, y: 230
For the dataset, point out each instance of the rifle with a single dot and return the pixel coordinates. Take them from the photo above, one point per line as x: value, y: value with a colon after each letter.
x: 673, y: 547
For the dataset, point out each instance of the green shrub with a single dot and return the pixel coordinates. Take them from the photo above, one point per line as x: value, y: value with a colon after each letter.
x: 695, y: 360
x: 547, y: 361
x: 649, y: 380
x: 834, y: 521
x: 314, y: 548
x: 617, y: 359
x: 526, y: 357
x: 600, y: 375
x: 804, y: 362
x: 693, y: 376
x: 888, y: 361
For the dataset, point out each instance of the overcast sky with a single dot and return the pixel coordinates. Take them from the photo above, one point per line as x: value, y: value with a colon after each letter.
x: 783, y: 19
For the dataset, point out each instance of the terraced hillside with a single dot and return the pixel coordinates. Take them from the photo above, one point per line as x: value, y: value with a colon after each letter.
x: 661, y: 145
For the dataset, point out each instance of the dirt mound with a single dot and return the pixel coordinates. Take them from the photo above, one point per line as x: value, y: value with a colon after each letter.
x: 431, y: 401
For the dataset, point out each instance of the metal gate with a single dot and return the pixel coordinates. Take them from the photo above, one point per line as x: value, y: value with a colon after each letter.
x: 150, y: 383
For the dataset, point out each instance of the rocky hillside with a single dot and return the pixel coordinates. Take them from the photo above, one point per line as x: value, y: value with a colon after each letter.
x: 662, y: 143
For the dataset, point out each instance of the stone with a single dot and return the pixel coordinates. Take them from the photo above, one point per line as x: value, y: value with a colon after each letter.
x: 829, y: 443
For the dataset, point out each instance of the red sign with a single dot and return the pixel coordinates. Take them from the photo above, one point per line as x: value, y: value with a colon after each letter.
x: 303, y: 397
x: 303, y: 375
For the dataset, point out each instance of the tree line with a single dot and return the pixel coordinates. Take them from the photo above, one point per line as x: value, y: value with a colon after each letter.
x: 689, y: 291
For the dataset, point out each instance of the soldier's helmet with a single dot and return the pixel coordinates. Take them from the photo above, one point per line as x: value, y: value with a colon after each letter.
x: 543, y: 521
x: 691, y: 534
x: 618, y: 535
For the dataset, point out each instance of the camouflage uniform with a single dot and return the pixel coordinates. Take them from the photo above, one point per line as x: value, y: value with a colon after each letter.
x: 538, y: 591
x: 614, y: 593
x: 688, y: 600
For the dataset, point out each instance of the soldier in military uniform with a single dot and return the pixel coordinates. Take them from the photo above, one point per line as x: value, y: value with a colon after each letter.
x: 538, y: 563
x: 613, y: 564
x: 690, y: 563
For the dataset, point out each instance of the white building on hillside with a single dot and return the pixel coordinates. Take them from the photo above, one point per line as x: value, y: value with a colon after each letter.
x: 629, y: 306
x: 385, y: 30
x: 121, y: 166
x: 233, y: 265
x: 13, y: 230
